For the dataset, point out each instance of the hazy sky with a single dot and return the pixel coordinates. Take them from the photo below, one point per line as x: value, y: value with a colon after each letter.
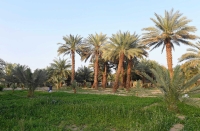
x: 30, y: 30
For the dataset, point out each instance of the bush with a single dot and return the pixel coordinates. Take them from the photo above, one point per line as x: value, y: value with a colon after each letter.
x: 1, y: 87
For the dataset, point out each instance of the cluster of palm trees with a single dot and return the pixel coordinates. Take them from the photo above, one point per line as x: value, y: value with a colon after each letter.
x: 123, y: 51
x: 122, y: 48
x: 16, y: 75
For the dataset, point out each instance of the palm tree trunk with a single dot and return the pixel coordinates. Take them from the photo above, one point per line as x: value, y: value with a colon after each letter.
x: 169, y: 57
x: 120, y: 66
x: 123, y: 77
x: 95, y: 84
x: 73, y: 66
x: 60, y: 85
x: 104, y: 82
x: 128, y: 78
x: 30, y: 92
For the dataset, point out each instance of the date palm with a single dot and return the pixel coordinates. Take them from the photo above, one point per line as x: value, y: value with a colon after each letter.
x: 31, y: 80
x: 192, y: 57
x: 84, y: 75
x: 92, y: 49
x: 122, y: 45
x: 70, y: 47
x: 59, y: 70
x: 173, y: 87
x: 170, y: 30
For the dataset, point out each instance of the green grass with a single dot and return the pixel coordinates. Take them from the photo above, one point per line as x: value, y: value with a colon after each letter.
x: 61, y: 111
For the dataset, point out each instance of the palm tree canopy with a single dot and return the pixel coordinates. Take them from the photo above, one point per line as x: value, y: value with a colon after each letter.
x: 71, y: 43
x: 175, y: 84
x: 84, y: 74
x: 60, y: 67
x: 92, y: 46
x: 24, y: 75
x: 192, y: 57
x: 125, y: 43
x: 173, y: 27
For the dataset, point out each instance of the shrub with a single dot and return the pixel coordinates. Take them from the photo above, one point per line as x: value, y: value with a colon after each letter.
x: 1, y: 87
x: 172, y: 87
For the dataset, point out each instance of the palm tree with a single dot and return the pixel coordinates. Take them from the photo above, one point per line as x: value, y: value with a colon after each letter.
x: 170, y: 30
x: 59, y: 69
x: 70, y: 47
x: 92, y: 49
x: 190, y: 70
x: 104, y: 71
x: 29, y: 79
x: 84, y: 74
x: 131, y: 59
x: 144, y: 66
x: 192, y: 57
x: 172, y: 87
x: 122, y: 45
x: 8, y: 77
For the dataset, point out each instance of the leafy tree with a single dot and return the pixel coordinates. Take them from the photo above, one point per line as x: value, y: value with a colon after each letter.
x: 70, y: 47
x: 92, y: 49
x: 172, y: 87
x: 122, y: 45
x: 170, y: 30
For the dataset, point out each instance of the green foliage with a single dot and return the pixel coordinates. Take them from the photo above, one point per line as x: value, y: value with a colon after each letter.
x: 192, y: 56
x: 92, y: 46
x: 126, y: 43
x: 24, y: 75
x: 2, y: 69
x: 1, y: 87
x: 74, y: 84
x: 84, y: 74
x: 58, y: 72
x: 71, y: 44
x: 172, y: 88
x: 13, y: 86
x: 173, y: 27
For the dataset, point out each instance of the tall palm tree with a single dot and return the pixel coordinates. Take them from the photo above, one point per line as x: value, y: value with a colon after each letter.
x: 59, y: 69
x: 131, y: 59
x: 170, y: 30
x: 192, y: 57
x: 122, y: 45
x: 70, y: 47
x: 91, y: 49
x: 104, y: 70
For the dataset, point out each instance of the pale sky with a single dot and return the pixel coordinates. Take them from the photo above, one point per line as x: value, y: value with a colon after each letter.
x: 30, y: 30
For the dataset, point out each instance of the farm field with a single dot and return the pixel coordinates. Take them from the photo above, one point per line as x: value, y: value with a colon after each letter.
x: 63, y: 111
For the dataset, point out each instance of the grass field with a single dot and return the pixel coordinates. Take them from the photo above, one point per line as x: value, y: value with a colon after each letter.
x: 61, y: 111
